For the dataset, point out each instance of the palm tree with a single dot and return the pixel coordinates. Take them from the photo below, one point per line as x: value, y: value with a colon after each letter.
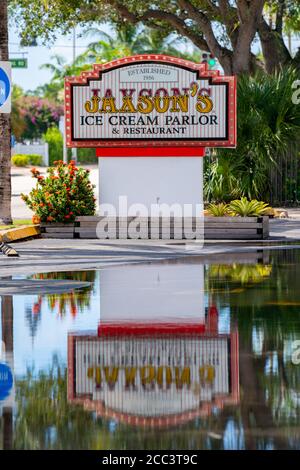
x: 268, y: 131
x: 126, y: 41
x: 5, y: 130
x: 131, y: 40
x: 60, y: 69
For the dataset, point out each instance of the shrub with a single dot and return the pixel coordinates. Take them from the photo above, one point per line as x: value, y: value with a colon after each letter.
x: 268, y: 143
x: 65, y: 193
x: 87, y: 155
x: 26, y: 159
x: 35, y: 159
x: 36, y: 115
x: 55, y: 141
x: 218, y: 210
x: 20, y: 160
x: 245, y: 208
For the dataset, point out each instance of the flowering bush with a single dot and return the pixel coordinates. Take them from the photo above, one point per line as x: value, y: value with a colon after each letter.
x: 65, y: 193
x: 37, y: 115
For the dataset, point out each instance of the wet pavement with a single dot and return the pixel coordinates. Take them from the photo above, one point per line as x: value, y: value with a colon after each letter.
x: 46, y: 255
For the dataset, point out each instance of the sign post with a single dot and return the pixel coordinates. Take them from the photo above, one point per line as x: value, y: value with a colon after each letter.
x: 150, y: 118
x: 5, y: 87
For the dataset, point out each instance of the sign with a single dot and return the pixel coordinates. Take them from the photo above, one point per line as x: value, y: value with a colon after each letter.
x: 150, y: 100
x: 19, y: 63
x: 5, y: 87
x: 152, y: 379
x: 6, y: 381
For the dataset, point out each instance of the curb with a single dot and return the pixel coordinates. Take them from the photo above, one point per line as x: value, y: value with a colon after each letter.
x: 20, y: 233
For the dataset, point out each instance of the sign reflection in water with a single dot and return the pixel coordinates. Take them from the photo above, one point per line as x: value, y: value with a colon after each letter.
x: 163, y: 365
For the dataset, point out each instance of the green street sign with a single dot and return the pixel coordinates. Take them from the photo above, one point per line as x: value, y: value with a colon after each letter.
x: 19, y: 63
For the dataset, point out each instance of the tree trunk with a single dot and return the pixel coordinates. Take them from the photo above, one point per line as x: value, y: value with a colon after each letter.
x: 5, y: 130
x: 7, y: 315
x: 256, y: 413
x: 7, y: 322
x: 274, y: 50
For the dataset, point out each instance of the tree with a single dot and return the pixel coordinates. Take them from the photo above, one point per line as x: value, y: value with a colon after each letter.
x: 5, y: 130
x: 282, y: 13
x: 18, y: 124
x: 132, y: 40
x: 123, y: 42
x: 225, y: 28
x: 268, y: 129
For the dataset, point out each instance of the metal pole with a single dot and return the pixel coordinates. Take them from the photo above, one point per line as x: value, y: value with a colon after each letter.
x: 74, y: 150
x: 290, y: 42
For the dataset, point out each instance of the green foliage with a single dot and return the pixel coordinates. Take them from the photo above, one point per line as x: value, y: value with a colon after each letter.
x: 56, y: 145
x: 245, y: 208
x: 35, y: 159
x: 268, y: 129
x: 218, y: 210
x: 42, y: 404
x: 241, y: 273
x: 32, y: 115
x: 61, y: 196
x: 20, y: 160
x: 87, y: 155
x: 24, y: 160
x: 124, y: 41
x: 18, y: 124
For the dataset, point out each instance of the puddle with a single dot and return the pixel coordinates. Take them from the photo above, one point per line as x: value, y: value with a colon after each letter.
x: 171, y: 355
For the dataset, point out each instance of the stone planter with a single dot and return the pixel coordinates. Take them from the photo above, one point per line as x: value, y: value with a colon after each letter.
x: 57, y: 230
x: 226, y: 228
x: 236, y: 228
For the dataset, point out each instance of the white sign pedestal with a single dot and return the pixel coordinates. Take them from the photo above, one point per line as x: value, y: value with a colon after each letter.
x: 176, y: 182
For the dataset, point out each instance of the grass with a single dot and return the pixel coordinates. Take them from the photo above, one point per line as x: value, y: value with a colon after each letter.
x: 16, y: 223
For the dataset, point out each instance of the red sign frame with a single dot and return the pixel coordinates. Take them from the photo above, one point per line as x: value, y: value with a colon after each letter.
x: 207, y: 330
x: 161, y: 147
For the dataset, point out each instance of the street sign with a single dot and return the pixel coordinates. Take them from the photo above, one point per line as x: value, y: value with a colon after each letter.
x: 5, y: 87
x: 19, y: 63
x: 150, y: 101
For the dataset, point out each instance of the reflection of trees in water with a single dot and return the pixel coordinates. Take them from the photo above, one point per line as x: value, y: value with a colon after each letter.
x: 70, y: 302
x: 267, y: 315
x: 44, y: 418
x: 33, y: 317
x: 7, y: 328
x: 240, y: 273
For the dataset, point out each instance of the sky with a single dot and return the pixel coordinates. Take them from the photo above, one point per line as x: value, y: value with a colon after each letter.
x: 33, y: 76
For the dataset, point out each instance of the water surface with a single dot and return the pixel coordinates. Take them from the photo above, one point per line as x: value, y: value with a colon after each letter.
x: 171, y: 355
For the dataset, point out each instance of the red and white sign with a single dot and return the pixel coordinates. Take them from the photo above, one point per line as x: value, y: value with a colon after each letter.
x: 150, y: 101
